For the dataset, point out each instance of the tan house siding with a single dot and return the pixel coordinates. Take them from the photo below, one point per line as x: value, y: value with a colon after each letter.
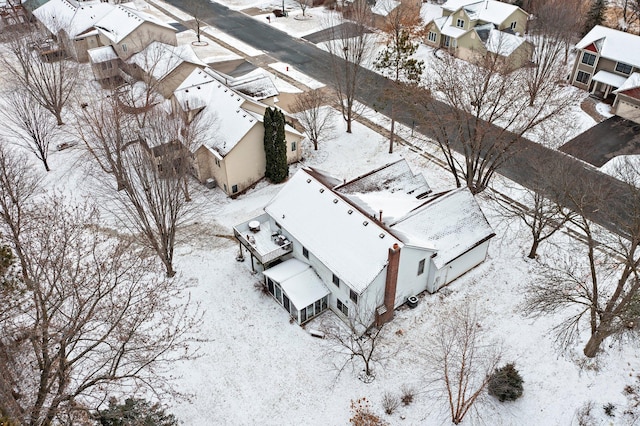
x: 627, y: 108
x: 170, y: 83
x: 140, y: 38
x: 433, y: 28
x: 520, y: 17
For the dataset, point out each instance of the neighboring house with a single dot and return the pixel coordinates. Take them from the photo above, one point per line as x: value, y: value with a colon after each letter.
x: 163, y: 66
x: 105, y: 65
x: 472, y: 28
x: 71, y: 22
x: 362, y: 247
x: 627, y: 102
x: 233, y: 154
x: 605, y: 59
x: 12, y: 13
x: 129, y: 31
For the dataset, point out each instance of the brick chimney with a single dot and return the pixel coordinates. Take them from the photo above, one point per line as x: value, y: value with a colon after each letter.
x: 385, y: 312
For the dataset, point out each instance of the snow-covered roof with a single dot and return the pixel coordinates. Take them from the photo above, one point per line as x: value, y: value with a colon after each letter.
x: 256, y: 84
x: 160, y: 59
x: 633, y: 82
x: 123, y: 20
x: 444, y: 25
x: 613, y: 44
x: 71, y: 16
x: 392, y: 177
x: 102, y: 54
x: 606, y: 77
x: 299, y: 281
x: 221, y: 104
x: 452, y: 223
x: 347, y: 241
x: 503, y: 43
x: 484, y: 10
x: 384, y: 7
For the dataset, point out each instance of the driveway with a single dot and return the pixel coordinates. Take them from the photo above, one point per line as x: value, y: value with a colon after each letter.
x: 614, y: 136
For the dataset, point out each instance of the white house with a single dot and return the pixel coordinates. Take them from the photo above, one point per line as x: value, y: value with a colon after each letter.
x: 365, y: 246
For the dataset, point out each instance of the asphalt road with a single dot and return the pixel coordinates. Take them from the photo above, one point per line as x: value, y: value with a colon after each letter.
x: 610, y: 211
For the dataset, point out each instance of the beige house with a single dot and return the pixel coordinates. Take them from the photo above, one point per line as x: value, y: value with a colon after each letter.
x: 72, y: 22
x: 105, y: 65
x: 605, y: 59
x: 163, y: 66
x: 627, y: 102
x: 233, y: 155
x: 472, y: 28
x: 129, y: 31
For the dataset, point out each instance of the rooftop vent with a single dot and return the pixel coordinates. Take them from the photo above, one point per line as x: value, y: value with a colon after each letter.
x: 365, y: 223
x: 308, y: 180
x: 381, y: 235
x: 335, y: 201
x: 321, y: 190
x: 349, y: 211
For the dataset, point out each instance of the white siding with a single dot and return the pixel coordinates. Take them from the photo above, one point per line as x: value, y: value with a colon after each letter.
x: 409, y: 282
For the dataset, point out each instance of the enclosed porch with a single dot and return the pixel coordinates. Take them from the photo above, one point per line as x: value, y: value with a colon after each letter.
x: 298, y: 289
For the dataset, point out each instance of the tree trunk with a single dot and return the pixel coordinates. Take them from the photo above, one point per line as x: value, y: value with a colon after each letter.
x: 315, y: 144
x: 593, y: 345
x: 393, y: 129
x: 534, y: 249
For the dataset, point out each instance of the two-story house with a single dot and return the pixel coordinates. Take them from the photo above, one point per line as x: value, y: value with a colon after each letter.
x: 363, y: 247
x: 233, y: 154
x: 71, y: 22
x: 472, y: 28
x: 605, y: 59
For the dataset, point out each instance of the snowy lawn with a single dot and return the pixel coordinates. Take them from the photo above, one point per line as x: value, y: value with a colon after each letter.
x: 258, y: 368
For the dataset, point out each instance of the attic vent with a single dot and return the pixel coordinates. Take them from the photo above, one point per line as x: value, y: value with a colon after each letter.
x: 335, y: 201
x: 244, y: 115
x: 321, y: 190
x: 349, y: 211
x: 198, y: 87
x: 365, y: 223
x: 186, y: 91
x: 308, y: 180
x: 225, y: 90
x: 381, y: 235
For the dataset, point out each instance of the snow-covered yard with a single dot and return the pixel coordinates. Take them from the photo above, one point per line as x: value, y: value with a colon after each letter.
x: 259, y: 368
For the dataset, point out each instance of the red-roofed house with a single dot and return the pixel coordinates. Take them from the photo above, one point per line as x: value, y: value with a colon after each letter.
x: 605, y: 60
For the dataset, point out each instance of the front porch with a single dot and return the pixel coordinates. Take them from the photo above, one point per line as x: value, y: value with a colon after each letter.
x: 605, y: 82
x: 264, y: 244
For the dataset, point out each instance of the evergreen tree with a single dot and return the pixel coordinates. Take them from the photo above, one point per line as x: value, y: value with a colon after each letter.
x: 595, y: 15
x: 506, y: 383
x: 275, y: 146
x: 269, y: 137
x: 135, y: 412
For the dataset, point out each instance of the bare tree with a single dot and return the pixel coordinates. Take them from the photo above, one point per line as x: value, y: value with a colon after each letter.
x: 29, y: 123
x: 357, y: 342
x: 351, y: 48
x: 402, y: 27
x: 601, y: 289
x: 150, y: 166
x: 484, y: 111
x: 461, y: 361
x: 50, y: 81
x: 96, y: 316
x: 316, y: 117
x: 630, y: 16
x: 304, y: 4
x: 555, y: 21
x: 540, y: 207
